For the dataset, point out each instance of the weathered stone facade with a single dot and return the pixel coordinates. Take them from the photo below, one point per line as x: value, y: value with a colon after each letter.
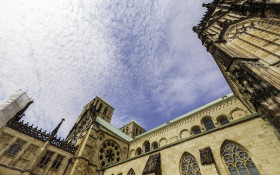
x: 235, y: 134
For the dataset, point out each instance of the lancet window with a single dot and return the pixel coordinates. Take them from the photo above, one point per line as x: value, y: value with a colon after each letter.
x: 15, y: 148
x: 57, y: 162
x: 237, y: 160
x: 189, y: 165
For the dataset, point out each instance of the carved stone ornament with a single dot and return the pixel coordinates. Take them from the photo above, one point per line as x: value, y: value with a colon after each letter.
x: 83, y: 125
x: 256, y: 89
x: 27, y: 129
x: 153, y: 165
x: 206, y: 156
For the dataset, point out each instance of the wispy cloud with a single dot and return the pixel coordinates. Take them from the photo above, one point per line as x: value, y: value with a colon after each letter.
x: 142, y: 55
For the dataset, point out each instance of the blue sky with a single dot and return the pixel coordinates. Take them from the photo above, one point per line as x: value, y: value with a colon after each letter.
x: 141, y: 55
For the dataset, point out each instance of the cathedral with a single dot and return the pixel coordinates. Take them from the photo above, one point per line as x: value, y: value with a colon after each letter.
x: 237, y: 134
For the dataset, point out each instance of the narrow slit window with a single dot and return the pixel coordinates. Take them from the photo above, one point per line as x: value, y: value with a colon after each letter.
x: 57, y: 162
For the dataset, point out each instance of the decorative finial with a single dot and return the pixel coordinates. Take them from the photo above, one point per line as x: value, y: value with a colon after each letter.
x: 54, y: 132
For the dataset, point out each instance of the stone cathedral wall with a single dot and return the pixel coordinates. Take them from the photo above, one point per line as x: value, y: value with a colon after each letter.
x: 254, y: 134
x: 229, y: 107
x: 29, y: 155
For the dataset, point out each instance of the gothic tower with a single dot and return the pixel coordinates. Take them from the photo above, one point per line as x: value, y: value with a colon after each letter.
x: 243, y: 38
x: 89, y: 133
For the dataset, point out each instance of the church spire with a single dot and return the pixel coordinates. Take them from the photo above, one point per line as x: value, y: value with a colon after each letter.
x: 54, y: 132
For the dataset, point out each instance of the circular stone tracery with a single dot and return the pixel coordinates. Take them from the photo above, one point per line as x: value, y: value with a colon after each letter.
x: 109, y: 153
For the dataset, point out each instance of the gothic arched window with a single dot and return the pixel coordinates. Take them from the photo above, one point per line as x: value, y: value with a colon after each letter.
x: 208, y: 123
x: 196, y: 130
x: 147, y: 146
x: 131, y: 172
x: 223, y: 120
x: 237, y: 159
x: 138, y: 151
x: 189, y: 165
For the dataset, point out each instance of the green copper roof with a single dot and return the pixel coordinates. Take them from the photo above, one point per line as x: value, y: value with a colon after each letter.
x: 187, y: 114
x: 103, y: 98
x: 113, y: 129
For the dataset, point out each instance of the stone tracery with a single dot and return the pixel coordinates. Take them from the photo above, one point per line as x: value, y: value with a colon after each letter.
x: 237, y: 159
x: 109, y: 153
x: 189, y: 165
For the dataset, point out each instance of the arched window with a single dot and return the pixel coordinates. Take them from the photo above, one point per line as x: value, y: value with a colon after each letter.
x: 208, y: 123
x: 223, y: 120
x: 100, y: 107
x: 155, y: 145
x: 189, y: 165
x: 147, y: 146
x: 237, y: 159
x: 126, y: 131
x: 138, y: 151
x: 196, y: 130
x: 57, y: 162
x: 105, y: 111
x: 96, y: 102
x: 136, y: 131
x: 131, y: 172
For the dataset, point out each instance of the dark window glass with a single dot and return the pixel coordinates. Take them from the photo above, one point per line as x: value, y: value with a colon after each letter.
x: 196, y: 131
x: 131, y: 172
x: 155, y: 146
x: 46, y: 158
x: 100, y: 107
x: 139, y: 151
x: 15, y: 148
x: 57, y: 162
x: 223, y: 121
x: 209, y: 124
x: 147, y: 147
x: 105, y: 111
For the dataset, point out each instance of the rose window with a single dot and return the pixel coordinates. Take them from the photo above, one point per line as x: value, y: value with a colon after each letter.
x: 109, y: 153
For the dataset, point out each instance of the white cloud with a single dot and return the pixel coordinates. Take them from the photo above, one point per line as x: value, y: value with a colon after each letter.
x: 141, y: 54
